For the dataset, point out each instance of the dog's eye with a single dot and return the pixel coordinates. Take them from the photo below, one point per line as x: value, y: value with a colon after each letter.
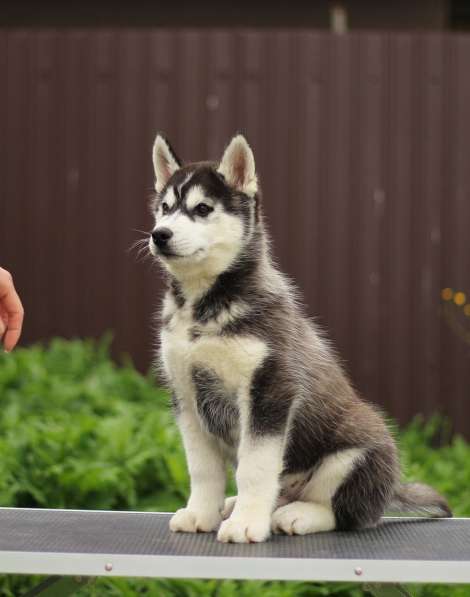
x: 203, y: 210
x: 165, y: 208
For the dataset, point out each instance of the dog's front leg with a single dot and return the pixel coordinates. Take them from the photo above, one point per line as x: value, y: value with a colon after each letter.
x: 258, y: 472
x: 208, y: 476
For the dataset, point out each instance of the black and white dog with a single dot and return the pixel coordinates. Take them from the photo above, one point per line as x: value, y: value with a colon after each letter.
x: 253, y: 381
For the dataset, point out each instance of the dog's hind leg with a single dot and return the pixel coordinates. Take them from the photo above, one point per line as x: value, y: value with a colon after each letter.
x: 313, y: 510
x: 364, y: 495
x: 301, y: 518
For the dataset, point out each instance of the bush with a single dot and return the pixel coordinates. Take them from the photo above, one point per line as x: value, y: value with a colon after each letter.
x: 77, y: 431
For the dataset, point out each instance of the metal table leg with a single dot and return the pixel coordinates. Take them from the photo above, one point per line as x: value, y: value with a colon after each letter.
x: 59, y: 586
x: 387, y: 590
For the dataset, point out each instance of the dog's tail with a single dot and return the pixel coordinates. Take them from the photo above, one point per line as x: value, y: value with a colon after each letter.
x: 420, y: 499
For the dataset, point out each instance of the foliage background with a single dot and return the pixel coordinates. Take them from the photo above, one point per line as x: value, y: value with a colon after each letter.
x: 78, y: 431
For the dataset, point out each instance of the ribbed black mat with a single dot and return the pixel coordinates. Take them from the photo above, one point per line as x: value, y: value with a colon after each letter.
x: 147, y: 534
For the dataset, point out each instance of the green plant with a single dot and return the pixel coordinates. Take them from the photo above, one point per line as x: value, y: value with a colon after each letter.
x: 78, y: 431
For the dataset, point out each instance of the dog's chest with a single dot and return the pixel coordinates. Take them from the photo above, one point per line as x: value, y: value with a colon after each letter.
x: 187, y: 346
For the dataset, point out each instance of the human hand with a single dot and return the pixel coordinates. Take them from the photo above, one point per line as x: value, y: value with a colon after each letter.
x: 11, y: 312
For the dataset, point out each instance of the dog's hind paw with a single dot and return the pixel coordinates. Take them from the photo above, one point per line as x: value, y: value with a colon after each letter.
x: 191, y: 521
x: 301, y: 518
x: 229, y: 506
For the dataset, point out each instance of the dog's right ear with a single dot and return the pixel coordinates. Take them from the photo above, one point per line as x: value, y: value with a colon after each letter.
x: 165, y: 162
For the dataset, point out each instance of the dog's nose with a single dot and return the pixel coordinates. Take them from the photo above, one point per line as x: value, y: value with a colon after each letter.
x: 161, y: 236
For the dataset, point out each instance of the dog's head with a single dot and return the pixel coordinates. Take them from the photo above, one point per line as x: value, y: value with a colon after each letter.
x: 205, y: 213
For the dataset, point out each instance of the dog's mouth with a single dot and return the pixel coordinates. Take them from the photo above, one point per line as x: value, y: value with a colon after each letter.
x: 169, y: 254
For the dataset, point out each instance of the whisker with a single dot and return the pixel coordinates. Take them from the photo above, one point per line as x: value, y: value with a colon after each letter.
x: 142, y: 242
x: 144, y: 257
x: 142, y: 250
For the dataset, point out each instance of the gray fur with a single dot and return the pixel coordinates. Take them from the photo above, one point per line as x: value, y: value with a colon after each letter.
x: 420, y: 499
x: 218, y: 411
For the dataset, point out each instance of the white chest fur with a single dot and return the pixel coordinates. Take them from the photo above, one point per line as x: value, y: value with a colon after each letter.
x: 233, y: 359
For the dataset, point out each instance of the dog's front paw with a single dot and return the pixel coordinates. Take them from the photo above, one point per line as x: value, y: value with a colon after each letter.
x: 192, y: 521
x: 244, y: 529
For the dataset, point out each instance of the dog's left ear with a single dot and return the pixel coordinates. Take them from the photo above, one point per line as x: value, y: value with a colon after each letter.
x: 165, y: 162
x: 238, y: 166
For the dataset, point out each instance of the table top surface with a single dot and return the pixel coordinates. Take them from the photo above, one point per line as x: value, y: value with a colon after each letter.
x: 35, y: 536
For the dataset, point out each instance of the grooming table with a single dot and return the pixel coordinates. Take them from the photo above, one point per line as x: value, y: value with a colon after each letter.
x: 75, y: 545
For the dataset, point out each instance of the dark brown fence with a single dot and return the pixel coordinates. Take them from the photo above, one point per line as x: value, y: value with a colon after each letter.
x: 363, y: 148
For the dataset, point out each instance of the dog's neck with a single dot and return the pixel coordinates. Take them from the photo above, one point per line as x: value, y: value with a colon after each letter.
x: 208, y: 293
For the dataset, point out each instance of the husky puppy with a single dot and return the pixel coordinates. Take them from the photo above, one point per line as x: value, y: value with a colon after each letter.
x: 253, y: 381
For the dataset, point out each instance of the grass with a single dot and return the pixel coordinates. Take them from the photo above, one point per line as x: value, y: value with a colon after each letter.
x: 78, y: 431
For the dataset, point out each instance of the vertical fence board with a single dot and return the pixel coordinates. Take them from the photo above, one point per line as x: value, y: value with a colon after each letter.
x: 17, y: 218
x: 427, y: 210
x: 220, y: 117
x: 311, y: 103
x: 455, y: 211
x: 369, y: 195
x: 397, y: 324
x: 337, y: 205
x: 4, y: 120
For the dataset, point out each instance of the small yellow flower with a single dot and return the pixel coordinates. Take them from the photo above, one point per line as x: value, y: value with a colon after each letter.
x: 459, y: 298
x: 447, y: 294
